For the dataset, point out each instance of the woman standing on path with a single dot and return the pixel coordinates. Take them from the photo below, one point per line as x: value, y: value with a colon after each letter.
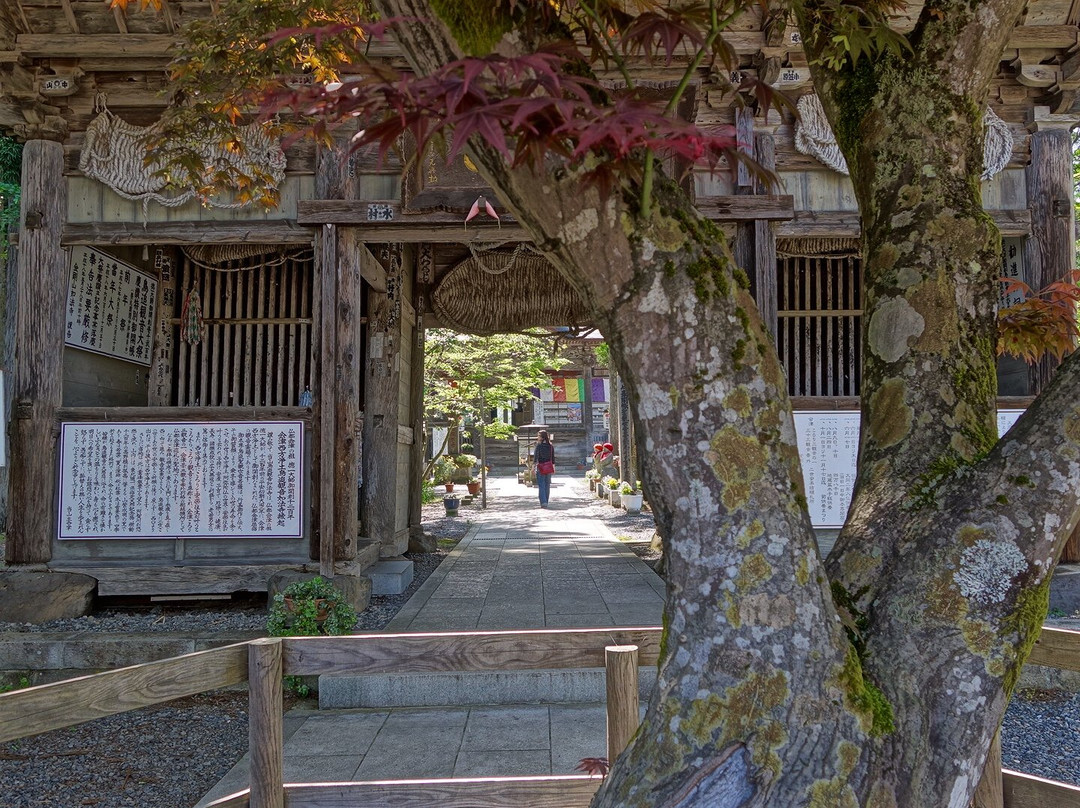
x: 545, y: 465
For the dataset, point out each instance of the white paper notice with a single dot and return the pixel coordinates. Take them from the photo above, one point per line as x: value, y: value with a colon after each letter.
x: 181, y: 480
x: 828, y: 443
x: 110, y: 307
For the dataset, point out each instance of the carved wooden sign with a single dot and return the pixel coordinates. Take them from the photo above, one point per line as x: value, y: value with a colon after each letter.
x: 110, y: 307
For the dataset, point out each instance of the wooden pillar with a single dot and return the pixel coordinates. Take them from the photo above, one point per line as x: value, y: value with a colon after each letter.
x: 37, y: 382
x: 764, y: 267
x: 346, y: 366
x: 379, y: 496
x: 621, y: 684
x: 1049, y: 252
x: 586, y: 401
x: 265, y: 731
x: 990, y: 791
x: 425, y: 270
x: 755, y: 242
x: 336, y: 353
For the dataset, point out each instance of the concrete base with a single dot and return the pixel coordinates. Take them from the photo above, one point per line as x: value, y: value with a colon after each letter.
x: 576, y: 686
x: 391, y: 576
x: 356, y: 588
x: 38, y: 597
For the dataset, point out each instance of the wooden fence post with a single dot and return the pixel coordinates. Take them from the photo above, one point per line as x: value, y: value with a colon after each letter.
x: 623, y: 717
x: 990, y: 791
x: 264, y: 723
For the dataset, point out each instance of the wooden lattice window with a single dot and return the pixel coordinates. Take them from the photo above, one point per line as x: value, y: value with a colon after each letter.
x: 255, y: 349
x: 819, y: 323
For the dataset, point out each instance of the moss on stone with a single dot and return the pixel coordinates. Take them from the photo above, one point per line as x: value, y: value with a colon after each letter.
x: 802, y: 571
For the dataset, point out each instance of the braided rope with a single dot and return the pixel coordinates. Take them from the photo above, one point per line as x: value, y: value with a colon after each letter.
x: 472, y: 299
x: 814, y: 137
x: 114, y: 153
x: 811, y: 247
x: 216, y: 257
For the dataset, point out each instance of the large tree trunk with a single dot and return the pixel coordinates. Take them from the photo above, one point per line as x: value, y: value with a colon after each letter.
x: 880, y: 678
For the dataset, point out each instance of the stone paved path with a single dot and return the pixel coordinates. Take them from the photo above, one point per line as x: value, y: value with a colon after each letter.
x: 520, y: 566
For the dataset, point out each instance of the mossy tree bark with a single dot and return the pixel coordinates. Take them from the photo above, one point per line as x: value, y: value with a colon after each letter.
x: 876, y: 678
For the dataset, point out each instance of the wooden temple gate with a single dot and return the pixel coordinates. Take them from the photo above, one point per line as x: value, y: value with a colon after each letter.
x: 313, y: 314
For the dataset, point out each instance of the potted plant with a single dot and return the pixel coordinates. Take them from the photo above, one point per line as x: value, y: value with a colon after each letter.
x: 612, y: 491
x: 462, y: 467
x: 443, y: 470
x: 309, y: 608
x: 631, y: 497
x: 602, y: 488
x: 452, y: 503
x: 474, y: 486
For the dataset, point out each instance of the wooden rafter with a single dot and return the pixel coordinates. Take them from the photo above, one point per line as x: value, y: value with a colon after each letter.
x: 121, y: 21
x: 69, y: 15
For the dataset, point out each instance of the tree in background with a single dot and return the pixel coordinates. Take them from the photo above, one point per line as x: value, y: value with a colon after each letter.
x: 10, y: 170
x: 465, y: 375
x: 877, y: 676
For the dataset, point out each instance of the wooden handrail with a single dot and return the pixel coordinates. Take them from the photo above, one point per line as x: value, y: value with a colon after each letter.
x: 463, y: 651
x: 73, y: 701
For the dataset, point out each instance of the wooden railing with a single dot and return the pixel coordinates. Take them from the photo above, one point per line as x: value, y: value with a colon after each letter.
x: 263, y: 662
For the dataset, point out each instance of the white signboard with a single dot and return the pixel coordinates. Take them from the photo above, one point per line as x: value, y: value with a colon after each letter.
x: 110, y: 307
x: 828, y: 448
x: 828, y: 443
x: 181, y: 480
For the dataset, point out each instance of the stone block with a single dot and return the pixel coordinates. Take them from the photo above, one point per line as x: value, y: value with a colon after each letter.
x: 39, y: 597
x: 421, y: 542
x: 356, y: 588
x: 391, y: 576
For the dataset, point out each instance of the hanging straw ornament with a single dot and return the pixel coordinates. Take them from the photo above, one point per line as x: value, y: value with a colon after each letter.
x: 191, y: 321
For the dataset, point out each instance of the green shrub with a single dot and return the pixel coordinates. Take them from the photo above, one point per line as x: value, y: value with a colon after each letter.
x: 315, y: 607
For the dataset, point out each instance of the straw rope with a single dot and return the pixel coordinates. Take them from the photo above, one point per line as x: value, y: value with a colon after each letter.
x: 216, y: 257
x: 814, y: 137
x: 114, y: 153
x: 524, y: 291
x: 810, y: 247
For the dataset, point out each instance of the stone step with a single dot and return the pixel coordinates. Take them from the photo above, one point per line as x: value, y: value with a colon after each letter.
x: 486, y: 688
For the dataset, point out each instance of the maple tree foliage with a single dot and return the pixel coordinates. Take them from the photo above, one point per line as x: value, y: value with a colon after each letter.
x: 1043, y: 322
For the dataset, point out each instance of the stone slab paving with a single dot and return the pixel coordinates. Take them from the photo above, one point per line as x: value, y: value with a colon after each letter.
x: 520, y: 566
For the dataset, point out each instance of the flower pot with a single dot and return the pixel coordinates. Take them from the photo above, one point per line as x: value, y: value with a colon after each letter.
x: 632, y: 502
x: 615, y: 498
x: 452, y: 504
x: 474, y: 488
x: 449, y: 487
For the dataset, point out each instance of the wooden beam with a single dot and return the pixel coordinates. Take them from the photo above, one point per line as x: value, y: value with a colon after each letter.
x: 37, y: 383
x: 1028, y: 791
x: 398, y: 226
x: 279, y: 231
x: 846, y: 223
x: 1043, y: 36
x: 551, y: 791
x: 122, y: 414
x: 74, y: 701
x: 190, y: 579
x: 464, y: 650
x: 79, y: 46
x: 265, y: 731
x: 69, y: 15
x: 1057, y: 648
